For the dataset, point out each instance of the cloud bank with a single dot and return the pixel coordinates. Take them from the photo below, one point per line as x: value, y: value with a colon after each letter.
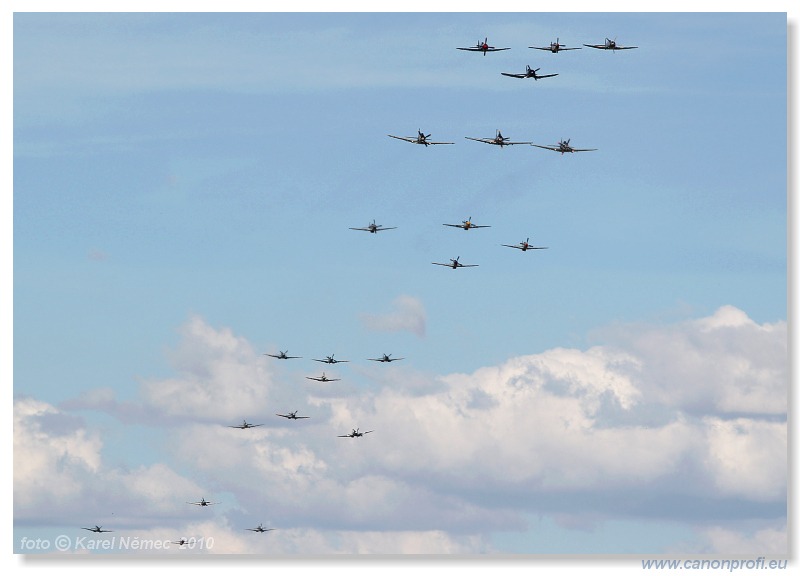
x: 681, y: 423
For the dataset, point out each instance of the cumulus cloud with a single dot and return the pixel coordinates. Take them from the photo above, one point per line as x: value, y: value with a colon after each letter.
x: 407, y: 315
x: 677, y: 423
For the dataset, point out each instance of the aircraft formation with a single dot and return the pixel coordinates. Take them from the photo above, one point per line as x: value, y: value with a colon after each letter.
x: 562, y: 147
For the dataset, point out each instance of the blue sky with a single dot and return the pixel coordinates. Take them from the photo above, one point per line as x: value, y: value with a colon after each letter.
x: 184, y: 188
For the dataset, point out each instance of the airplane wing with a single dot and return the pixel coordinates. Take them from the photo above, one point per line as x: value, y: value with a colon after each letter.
x: 598, y: 46
x: 513, y: 75
x: 467, y: 265
x: 381, y: 228
x: 481, y: 226
x: 625, y: 47
x: 406, y: 138
x: 543, y: 48
x: 432, y: 143
x: 584, y: 149
x: 484, y: 140
x: 438, y: 264
x: 512, y: 143
x: 546, y: 75
x: 493, y: 49
x: 510, y: 246
x: 454, y: 225
x: 283, y: 415
x: 553, y: 148
x: 364, y: 229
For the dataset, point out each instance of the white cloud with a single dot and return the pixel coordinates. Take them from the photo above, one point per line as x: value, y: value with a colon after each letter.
x: 220, y: 376
x: 581, y: 435
x: 407, y: 315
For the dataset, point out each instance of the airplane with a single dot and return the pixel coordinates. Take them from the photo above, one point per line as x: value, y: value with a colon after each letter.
x: 466, y: 224
x: 420, y: 139
x: 356, y: 434
x: 610, y: 45
x: 329, y: 360
x: 292, y: 416
x: 525, y: 246
x: 373, y: 228
x: 455, y: 264
x: 281, y: 356
x: 563, y: 146
x: 498, y: 140
x: 203, y: 502
x: 259, y: 528
x: 385, y: 358
x: 245, y: 425
x: 96, y: 529
x: 323, y: 378
x: 180, y: 542
x: 483, y: 47
x: 554, y: 47
x: 529, y: 73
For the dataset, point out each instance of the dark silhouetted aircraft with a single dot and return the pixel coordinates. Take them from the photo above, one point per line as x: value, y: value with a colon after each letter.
x: 245, y: 425
x: 498, y: 140
x: 455, y: 264
x: 385, y: 358
x: 373, y: 228
x: 96, y: 529
x: 292, y: 416
x: 420, y: 139
x: 180, y: 542
x: 554, y: 47
x: 483, y: 47
x: 282, y: 356
x: 203, y: 502
x: 529, y: 73
x: 610, y: 45
x: 329, y: 360
x: 323, y: 378
x: 259, y: 528
x: 355, y: 433
x: 467, y: 224
x: 563, y: 146
x: 525, y: 246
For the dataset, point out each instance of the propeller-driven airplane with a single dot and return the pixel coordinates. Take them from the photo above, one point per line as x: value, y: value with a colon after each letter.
x: 323, y: 378
x: 420, y: 139
x: 292, y: 416
x: 96, y: 529
x: 467, y: 224
x: 329, y: 360
x: 180, y: 542
x: 203, y: 502
x: 563, y: 146
x: 282, y: 355
x: 498, y: 140
x: 455, y: 264
x: 483, y: 47
x: 525, y: 246
x: 554, y: 47
x: 610, y: 45
x: 245, y: 425
x: 259, y: 528
x: 373, y: 228
x: 385, y: 358
x: 529, y: 73
x: 355, y: 433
